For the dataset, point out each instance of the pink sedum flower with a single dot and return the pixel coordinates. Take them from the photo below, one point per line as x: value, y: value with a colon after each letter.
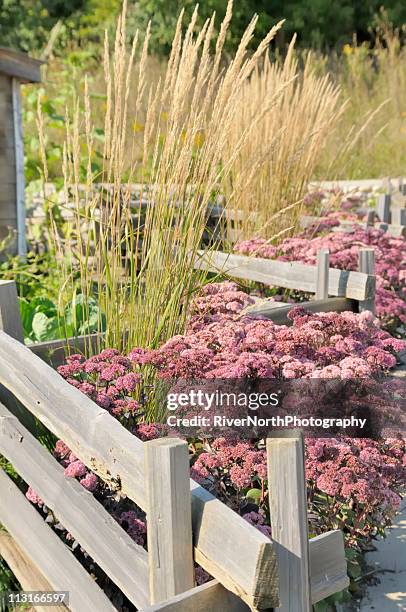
x: 75, y: 470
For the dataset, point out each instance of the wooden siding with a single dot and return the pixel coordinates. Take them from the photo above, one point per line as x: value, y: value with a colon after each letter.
x: 8, y: 207
x: 20, y: 65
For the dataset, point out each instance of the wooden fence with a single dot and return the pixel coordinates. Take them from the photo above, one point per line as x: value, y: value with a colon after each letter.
x: 335, y: 290
x: 388, y: 215
x: 186, y: 523
x: 347, y: 226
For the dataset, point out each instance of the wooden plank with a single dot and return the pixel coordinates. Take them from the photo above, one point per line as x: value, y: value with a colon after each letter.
x: 290, y: 275
x: 7, y: 192
x: 287, y: 489
x: 26, y: 573
x: 244, y: 563
x: 280, y: 315
x: 7, y: 173
x: 10, y: 319
x: 7, y: 154
x: 7, y: 121
x: 7, y: 125
x: 6, y: 138
x: 5, y: 109
x: 233, y: 562
x: 391, y: 229
x: 383, y: 208
x: 210, y: 596
x: 328, y: 565
x: 366, y: 263
x: 19, y: 167
x: 322, y: 274
x: 398, y: 216
x: 397, y: 200
x: 7, y: 228
x: 21, y: 65
x: 91, y: 432
x: 116, y: 553
x: 170, y: 547
x: 5, y: 87
x: 8, y: 214
x: 371, y: 218
x: 328, y: 568
x: 47, y: 552
x: 54, y: 352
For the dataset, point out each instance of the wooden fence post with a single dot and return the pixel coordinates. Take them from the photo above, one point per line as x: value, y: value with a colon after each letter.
x: 10, y: 318
x: 288, y: 506
x: 322, y: 278
x: 387, y: 184
x: 371, y: 218
x: 383, y: 208
x: 19, y: 163
x: 402, y: 185
x: 399, y: 216
x: 169, y: 518
x: 366, y: 264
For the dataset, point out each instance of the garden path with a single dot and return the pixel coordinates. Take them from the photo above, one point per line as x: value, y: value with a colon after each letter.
x: 390, y: 560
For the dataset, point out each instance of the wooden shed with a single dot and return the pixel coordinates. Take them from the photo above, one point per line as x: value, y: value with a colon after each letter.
x: 15, y: 68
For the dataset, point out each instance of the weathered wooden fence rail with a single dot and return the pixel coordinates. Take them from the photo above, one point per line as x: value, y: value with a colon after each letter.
x: 348, y: 290
x: 347, y: 226
x: 389, y: 213
x: 186, y: 522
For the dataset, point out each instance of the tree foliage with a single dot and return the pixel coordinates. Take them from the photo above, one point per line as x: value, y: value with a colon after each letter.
x: 25, y: 24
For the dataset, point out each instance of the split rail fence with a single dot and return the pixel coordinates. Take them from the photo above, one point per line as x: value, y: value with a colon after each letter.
x: 334, y: 289
x: 388, y: 215
x: 186, y: 523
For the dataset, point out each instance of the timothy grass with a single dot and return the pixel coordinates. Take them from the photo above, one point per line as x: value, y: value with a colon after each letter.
x: 139, y: 262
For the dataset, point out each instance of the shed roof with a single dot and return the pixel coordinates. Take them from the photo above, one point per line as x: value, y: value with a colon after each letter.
x: 20, y: 65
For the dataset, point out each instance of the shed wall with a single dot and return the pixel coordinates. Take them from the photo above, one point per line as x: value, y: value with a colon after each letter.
x: 8, y: 201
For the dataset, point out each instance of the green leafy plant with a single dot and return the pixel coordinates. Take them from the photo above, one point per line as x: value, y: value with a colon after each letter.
x: 43, y: 321
x: 329, y: 604
x: 35, y: 276
x: 8, y: 582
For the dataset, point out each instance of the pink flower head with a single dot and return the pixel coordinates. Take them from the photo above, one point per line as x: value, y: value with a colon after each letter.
x: 75, y: 470
x: 137, y: 355
x: 128, y: 382
x: 112, y: 371
x: 90, y: 482
x: 33, y: 497
x: 61, y: 449
x: 109, y: 353
x: 103, y: 400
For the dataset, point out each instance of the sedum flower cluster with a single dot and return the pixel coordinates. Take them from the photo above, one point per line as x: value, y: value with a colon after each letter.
x: 352, y: 484
x: 390, y: 256
x: 109, y: 379
x: 232, y: 345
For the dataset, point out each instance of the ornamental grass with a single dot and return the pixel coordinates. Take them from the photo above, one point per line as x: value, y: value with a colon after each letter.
x: 137, y: 258
x: 291, y: 110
